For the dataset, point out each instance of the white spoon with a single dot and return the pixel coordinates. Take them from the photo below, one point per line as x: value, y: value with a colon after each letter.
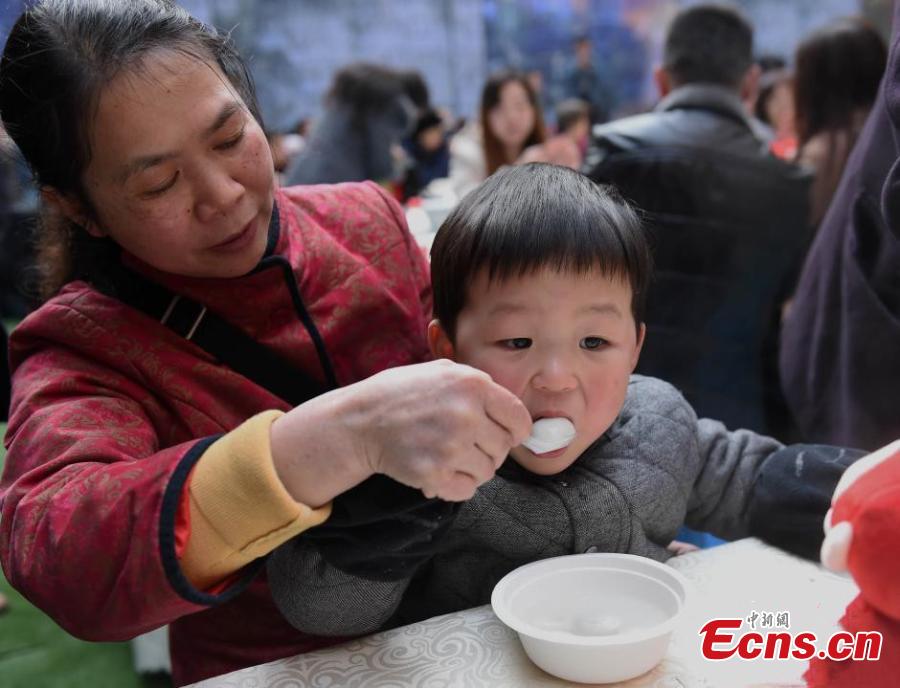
x: 550, y: 434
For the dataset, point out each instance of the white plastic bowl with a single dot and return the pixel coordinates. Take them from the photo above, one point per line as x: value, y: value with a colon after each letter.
x: 592, y: 618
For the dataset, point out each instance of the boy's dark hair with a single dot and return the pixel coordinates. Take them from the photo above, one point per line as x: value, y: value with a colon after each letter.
x: 59, y: 57
x: 709, y: 44
x: 569, y: 111
x: 534, y: 216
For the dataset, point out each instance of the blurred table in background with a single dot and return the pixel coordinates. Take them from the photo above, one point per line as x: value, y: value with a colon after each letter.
x: 426, y: 214
x: 473, y: 648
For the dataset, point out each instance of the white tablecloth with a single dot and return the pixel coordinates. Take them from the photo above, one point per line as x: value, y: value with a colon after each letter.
x: 472, y: 648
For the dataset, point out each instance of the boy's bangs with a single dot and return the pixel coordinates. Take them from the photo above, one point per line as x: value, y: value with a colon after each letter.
x: 532, y: 217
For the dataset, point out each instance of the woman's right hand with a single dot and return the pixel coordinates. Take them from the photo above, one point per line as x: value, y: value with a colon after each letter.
x: 440, y: 426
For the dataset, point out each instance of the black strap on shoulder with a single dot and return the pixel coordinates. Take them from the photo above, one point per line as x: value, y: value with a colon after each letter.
x: 227, y: 343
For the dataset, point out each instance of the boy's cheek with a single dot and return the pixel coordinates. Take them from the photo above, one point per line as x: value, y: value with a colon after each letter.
x: 511, y: 380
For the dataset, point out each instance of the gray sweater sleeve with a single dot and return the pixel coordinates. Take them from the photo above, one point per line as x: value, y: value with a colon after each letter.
x: 728, y: 465
x: 505, y: 525
x: 319, y: 599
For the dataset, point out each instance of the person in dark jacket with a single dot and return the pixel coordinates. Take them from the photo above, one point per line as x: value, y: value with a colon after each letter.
x: 728, y: 221
x: 584, y: 82
x: 840, y: 341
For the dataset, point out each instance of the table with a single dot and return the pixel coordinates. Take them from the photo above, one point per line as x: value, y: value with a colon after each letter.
x: 472, y: 648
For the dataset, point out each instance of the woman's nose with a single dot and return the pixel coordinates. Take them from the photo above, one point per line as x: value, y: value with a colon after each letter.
x: 217, y: 194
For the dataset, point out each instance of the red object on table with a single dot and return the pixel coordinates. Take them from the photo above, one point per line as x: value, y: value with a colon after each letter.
x: 872, y: 505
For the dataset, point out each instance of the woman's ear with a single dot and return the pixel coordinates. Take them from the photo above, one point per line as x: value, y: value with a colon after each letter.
x: 438, y: 341
x: 72, y: 209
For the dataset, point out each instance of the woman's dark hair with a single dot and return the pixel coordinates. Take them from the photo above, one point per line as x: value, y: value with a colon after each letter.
x: 528, y: 217
x: 837, y: 72
x: 494, y: 153
x: 416, y: 88
x: 365, y: 88
x: 59, y: 57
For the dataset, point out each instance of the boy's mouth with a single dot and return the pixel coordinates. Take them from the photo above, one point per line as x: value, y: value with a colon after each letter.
x: 548, y: 414
x: 551, y: 454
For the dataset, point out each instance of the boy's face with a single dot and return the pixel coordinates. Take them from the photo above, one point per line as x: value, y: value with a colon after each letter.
x: 564, y: 343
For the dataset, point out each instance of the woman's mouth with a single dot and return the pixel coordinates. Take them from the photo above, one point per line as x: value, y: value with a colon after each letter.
x: 239, y: 241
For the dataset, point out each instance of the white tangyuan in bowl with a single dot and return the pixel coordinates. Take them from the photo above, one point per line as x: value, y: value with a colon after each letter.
x: 593, y: 618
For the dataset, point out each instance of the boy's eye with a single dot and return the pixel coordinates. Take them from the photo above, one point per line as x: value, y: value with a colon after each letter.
x: 516, y: 343
x: 593, y: 343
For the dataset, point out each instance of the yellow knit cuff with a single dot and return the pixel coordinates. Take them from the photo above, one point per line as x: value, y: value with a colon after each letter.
x: 239, y: 508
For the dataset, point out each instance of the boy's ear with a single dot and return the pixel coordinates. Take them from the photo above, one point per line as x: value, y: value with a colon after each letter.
x: 439, y: 342
x: 72, y: 209
x: 642, y: 331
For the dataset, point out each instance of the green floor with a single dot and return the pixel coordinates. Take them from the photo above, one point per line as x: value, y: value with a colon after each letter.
x: 36, y: 653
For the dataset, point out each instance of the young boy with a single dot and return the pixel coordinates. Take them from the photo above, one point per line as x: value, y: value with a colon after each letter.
x: 539, y: 278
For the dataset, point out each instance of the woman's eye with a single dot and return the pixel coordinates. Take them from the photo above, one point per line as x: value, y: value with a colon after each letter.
x: 168, y: 184
x: 516, y: 343
x: 593, y: 343
x: 232, y: 142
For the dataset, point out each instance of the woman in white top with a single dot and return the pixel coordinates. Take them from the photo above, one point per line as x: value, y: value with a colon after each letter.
x: 510, y: 121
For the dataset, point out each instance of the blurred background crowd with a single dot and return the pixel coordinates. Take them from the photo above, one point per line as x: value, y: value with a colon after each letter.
x: 431, y: 96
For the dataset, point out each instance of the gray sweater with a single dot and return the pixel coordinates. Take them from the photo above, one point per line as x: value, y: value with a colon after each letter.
x: 656, y: 468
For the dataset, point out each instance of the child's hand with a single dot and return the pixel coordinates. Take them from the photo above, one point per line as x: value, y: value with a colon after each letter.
x: 677, y: 548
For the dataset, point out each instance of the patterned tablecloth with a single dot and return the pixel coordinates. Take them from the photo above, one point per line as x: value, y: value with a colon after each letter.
x: 473, y: 648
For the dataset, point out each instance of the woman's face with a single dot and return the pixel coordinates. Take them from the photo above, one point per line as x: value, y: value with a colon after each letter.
x: 512, y: 118
x: 181, y: 174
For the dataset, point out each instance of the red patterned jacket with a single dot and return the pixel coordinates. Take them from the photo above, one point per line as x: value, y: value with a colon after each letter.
x: 109, y: 408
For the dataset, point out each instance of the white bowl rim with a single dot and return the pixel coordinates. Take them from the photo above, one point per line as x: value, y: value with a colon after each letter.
x: 581, y: 561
